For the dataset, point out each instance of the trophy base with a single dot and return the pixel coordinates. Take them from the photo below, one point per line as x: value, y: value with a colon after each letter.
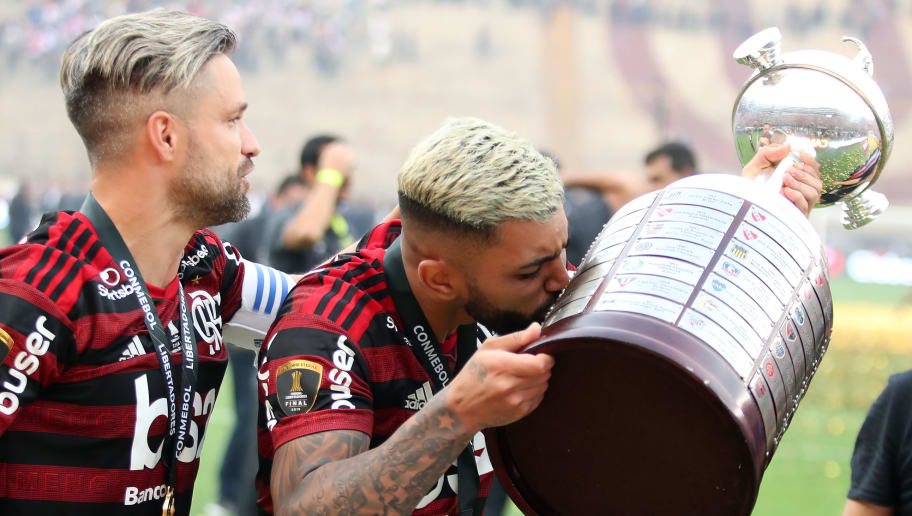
x: 629, y: 425
x: 863, y: 208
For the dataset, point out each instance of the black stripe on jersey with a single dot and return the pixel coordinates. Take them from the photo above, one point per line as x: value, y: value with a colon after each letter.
x: 45, y: 256
x: 377, y: 333
x: 336, y: 287
x: 342, y: 303
x: 361, y: 268
x: 372, y: 282
x: 80, y: 241
x: 52, y: 273
x: 38, y: 448
x: 356, y: 311
x: 65, y: 282
x: 93, y: 251
x: 300, y: 340
x: 21, y: 315
x: 67, y: 234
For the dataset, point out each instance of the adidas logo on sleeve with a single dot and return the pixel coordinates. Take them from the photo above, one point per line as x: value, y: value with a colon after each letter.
x: 418, y: 399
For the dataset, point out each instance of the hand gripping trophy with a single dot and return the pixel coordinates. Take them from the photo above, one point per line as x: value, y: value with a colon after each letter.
x: 699, y: 315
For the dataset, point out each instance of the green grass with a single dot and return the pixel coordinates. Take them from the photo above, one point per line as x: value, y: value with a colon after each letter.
x: 808, y: 474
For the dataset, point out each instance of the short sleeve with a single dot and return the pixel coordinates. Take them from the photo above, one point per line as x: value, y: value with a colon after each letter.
x: 36, y: 343
x: 313, y: 378
x: 880, y: 445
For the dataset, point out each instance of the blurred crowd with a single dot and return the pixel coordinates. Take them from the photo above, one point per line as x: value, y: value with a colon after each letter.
x: 23, y: 201
x: 37, y: 31
x: 34, y: 32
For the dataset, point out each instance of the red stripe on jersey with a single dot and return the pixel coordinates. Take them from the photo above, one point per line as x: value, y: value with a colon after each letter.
x: 102, y: 422
x: 90, y: 327
x: 388, y: 420
x: 146, y: 362
x: 393, y: 362
x: 86, y: 485
x: 290, y: 428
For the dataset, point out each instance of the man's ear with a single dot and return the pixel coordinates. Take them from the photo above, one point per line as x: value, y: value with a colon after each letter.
x: 443, y: 280
x: 166, y: 135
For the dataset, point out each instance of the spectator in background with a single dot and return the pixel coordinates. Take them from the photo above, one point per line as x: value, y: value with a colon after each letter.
x: 881, y: 482
x: 662, y: 166
x: 237, y: 494
x: 592, y: 197
x: 21, y: 211
x: 587, y: 212
x: 668, y: 163
x: 248, y: 236
x: 302, y: 236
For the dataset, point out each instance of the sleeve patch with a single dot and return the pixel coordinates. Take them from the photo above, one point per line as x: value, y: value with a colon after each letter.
x: 297, y: 384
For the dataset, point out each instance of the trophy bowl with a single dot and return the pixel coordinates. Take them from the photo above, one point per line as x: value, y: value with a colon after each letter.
x: 682, y: 347
x: 820, y: 100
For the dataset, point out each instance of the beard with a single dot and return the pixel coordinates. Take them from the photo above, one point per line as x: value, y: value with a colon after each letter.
x: 206, y: 199
x: 499, y: 320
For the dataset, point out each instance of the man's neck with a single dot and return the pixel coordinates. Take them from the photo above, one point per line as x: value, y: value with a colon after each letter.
x: 154, y: 238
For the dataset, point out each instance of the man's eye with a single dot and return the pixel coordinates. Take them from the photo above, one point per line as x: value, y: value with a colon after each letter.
x: 530, y: 275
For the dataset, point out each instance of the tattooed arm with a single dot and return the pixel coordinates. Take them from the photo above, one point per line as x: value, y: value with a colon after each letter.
x: 333, y: 472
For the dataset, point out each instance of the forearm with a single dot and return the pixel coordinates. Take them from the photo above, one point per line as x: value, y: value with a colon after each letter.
x: 309, y: 224
x: 390, y: 479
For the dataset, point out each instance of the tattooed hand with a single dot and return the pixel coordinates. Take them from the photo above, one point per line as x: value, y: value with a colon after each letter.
x: 498, y: 385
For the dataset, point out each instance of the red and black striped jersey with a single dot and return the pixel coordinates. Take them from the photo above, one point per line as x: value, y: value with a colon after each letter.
x: 83, y: 412
x: 336, y: 358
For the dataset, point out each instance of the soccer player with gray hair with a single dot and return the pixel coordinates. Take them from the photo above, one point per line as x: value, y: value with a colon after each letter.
x: 113, y: 318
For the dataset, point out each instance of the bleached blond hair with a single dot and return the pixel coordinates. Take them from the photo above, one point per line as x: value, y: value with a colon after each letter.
x: 123, y: 70
x: 471, y: 175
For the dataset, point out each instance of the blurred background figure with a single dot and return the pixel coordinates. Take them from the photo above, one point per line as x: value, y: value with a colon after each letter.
x: 882, y: 459
x: 304, y: 234
x: 592, y: 197
x: 667, y: 163
x: 236, y: 492
x: 22, y: 212
x: 587, y: 211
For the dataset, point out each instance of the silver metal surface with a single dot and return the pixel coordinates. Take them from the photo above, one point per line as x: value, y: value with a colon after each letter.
x: 822, y: 100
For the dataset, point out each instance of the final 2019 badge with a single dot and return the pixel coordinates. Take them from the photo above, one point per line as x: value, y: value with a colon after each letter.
x: 297, y: 383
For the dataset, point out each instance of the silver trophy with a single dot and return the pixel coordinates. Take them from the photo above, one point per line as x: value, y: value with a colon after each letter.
x: 696, y: 321
x: 822, y: 102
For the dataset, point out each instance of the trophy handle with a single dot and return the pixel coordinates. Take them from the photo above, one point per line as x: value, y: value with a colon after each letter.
x: 863, y: 208
x: 863, y: 58
x: 761, y: 51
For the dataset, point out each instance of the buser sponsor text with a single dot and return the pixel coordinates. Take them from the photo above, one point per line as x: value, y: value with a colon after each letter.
x: 25, y: 364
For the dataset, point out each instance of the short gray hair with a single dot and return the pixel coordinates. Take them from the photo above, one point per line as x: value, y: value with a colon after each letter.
x: 472, y: 175
x: 107, y: 69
